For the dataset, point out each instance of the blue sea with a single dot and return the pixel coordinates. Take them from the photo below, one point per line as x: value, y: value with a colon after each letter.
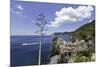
x: 23, y: 55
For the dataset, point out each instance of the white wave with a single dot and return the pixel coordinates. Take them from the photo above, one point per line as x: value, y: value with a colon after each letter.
x: 29, y: 44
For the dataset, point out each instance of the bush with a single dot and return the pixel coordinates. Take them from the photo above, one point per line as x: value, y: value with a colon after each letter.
x: 81, y: 59
x: 83, y: 56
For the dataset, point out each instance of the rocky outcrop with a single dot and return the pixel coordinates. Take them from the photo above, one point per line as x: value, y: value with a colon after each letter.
x: 68, y: 50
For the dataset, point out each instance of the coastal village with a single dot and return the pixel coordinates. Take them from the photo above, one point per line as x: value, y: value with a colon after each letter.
x: 80, y: 50
x: 68, y: 50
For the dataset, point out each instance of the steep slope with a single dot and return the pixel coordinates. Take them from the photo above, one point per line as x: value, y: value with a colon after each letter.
x: 85, y: 31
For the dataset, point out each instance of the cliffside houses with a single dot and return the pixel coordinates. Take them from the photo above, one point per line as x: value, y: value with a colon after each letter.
x: 68, y: 50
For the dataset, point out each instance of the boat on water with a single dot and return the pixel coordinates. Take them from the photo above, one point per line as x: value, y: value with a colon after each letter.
x: 25, y: 44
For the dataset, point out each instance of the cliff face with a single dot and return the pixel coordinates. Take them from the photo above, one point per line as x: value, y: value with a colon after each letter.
x: 85, y: 31
x: 66, y: 36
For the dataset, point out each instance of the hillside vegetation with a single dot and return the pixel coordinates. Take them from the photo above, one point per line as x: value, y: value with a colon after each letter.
x: 85, y: 31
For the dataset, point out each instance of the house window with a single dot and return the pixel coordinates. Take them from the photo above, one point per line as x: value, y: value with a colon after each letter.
x: 69, y: 54
x: 65, y: 53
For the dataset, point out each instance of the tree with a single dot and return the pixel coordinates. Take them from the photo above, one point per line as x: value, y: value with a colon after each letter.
x: 41, y: 24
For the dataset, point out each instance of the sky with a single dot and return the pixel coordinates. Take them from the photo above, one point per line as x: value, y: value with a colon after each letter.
x: 59, y: 17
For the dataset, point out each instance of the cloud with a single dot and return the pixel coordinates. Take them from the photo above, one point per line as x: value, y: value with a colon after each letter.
x: 19, y: 7
x: 18, y: 10
x: 70, y: 14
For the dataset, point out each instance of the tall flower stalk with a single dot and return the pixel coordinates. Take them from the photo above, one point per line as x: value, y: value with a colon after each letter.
x: 41, y: 24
